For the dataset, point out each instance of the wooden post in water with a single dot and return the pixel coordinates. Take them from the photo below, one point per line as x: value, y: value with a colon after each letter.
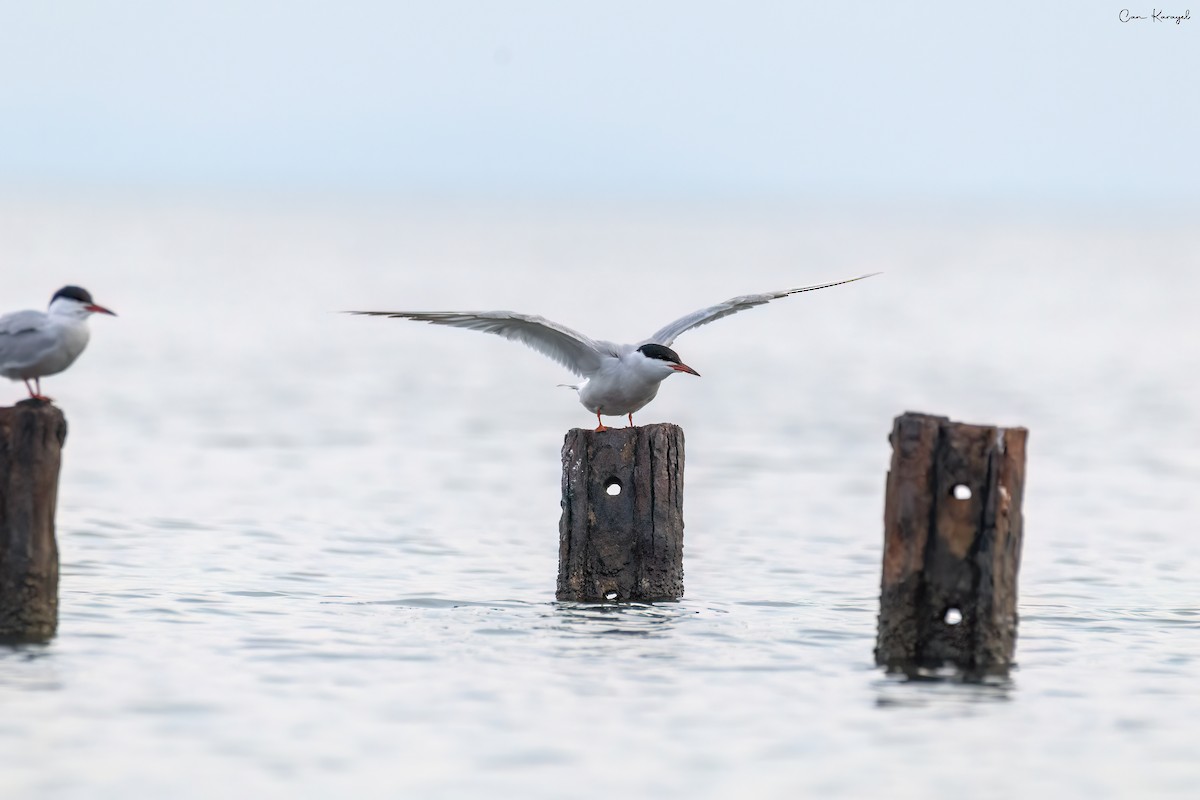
x: 621, y: 531
x: 31, y: 439
x: 952, y: 545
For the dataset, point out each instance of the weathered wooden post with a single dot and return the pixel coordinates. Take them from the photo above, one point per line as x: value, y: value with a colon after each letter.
x: 621, y: 531
x: 31, y: 439
x: 952, y: 545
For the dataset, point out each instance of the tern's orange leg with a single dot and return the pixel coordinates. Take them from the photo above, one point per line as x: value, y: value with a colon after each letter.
x: 600, y: 427
x: 35, y: 394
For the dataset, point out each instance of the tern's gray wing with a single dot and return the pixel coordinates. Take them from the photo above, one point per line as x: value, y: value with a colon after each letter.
x: 24, y: 337
x: 668, y: 333
x: 573, y: 350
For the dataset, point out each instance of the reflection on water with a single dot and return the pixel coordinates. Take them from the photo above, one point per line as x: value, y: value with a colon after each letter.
x: 308, y: 555
x: 942, y: 688
x: 618, y: 619
x: 28, y: 667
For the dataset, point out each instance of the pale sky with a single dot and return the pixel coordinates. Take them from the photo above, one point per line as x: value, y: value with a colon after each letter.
x: 1058, y: 102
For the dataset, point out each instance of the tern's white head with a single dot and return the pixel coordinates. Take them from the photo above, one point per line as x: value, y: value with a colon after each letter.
x: 664, y: 359
x: 75, y: 303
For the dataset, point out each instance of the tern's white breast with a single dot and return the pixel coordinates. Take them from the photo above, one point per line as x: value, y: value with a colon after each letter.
x: 622, y: 385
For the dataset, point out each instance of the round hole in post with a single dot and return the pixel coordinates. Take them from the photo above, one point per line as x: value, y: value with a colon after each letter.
x: 613, y: 487
x: 962, y: 492
x: 953, y: 616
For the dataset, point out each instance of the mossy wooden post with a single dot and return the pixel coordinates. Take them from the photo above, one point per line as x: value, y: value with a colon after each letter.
x: 952, y: 545
x: 621, y: 531
x: 31, y: 439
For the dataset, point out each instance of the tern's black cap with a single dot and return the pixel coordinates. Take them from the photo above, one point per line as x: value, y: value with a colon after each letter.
x: 74, y: 293
x: 661, y: 352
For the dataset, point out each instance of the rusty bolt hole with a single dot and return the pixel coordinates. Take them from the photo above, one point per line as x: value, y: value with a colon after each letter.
x: 961, y: 492
x: 613, y: 487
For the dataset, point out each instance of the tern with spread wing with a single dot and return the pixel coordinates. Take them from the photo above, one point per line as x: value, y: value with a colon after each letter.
x: 38, y: 343
x: 619, y: 378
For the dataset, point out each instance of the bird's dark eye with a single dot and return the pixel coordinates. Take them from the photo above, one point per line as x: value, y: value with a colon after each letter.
x: 660, y: 352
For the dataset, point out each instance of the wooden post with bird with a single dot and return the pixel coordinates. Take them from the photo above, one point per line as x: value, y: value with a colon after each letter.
x: 31, y: 438
x: 952, y: 546
x: 621, y: 531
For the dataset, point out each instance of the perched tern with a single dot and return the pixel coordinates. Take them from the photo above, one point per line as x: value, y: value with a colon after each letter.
x: 619, y: 378
x: 36, y: 343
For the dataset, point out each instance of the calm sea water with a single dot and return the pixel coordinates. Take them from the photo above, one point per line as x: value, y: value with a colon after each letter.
x: 311, y: 555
